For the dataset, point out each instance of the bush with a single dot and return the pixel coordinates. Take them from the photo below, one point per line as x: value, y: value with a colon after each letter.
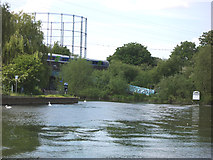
x: 175, y: 88
x: 30, y: 71
x: 77, y: 73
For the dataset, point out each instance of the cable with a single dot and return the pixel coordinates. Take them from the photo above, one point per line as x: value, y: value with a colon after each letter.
x: 130, y: 17
x: 112, y: 46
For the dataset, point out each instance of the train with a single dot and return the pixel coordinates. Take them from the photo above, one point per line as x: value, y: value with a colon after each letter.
x: 56, y: 59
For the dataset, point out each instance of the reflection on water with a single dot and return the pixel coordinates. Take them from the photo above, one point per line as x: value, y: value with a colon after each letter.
x: 18, y: 139
x: 107, y: 130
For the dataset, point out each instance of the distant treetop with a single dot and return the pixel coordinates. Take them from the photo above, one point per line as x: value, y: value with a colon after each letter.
x: 132, y: 53
x: 206, y: 38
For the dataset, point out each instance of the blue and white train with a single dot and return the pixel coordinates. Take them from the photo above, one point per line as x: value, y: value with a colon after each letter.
x: 56, y: 59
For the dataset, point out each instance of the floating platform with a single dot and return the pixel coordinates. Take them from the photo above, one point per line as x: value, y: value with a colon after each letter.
x: 12, y: 100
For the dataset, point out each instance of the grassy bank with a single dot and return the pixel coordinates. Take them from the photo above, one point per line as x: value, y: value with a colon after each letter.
x: 42, y: 96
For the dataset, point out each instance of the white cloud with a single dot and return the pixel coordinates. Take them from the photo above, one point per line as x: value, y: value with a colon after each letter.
x: 36, y: 6
x: 134, y: 5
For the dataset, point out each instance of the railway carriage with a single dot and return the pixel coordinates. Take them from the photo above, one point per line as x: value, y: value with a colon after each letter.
x: 55, y: 60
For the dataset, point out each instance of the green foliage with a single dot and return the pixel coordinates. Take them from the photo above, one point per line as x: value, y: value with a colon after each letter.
x: 132, y: 53
x: 90, y: 92
x: 151, y: 77
x: 117, y: 85
x: 202, y: 72
x: 20, y: 34
x: 57, y: 49
x: 77, y: 74
x: 143, y: 79
x: 101, y: 80
x: 125, y: 71
x: 8, y: 27
x: 169, y: 67
x: 180, y: 58
x: 206, y: 38
x: 184, y: 51
x: 175, y: 89
x: 173, y: 79
x: 22, y: 40
x: 187, y: 69
x: 30, y: 30
x: 13, y: 48
x: 30, y: 70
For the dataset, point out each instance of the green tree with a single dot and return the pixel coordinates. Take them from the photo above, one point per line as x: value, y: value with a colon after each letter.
x: 30, y: 30
x: 126, y: 71
x: 32, y: 73
x: 144, y: 79
x: 101, y: 80
x: 58, y: 49
x: 20, y: 34
x: 77, y: 73
x: 117, y: 85
x: 132, y: 53
x: 202, y: 73
x: 206, y: 38
x: 170, y: 67
x: 8, y: 27
x: 175, y: 89
x: 13, y: 48
x: 184, y: 51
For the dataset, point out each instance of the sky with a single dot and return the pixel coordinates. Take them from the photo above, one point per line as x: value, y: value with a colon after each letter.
x: 160, y: 25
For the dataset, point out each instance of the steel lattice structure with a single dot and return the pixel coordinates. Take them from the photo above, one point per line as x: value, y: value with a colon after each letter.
x: 67, y: 29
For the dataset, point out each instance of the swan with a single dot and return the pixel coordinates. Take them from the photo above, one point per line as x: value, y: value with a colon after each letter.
x: 49, y: 104
x: 8, y: 107
x: 85, y: 100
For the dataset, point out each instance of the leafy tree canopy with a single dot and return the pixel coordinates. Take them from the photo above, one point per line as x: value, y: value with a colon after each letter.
x: 8, y: 27
x: 20, y: 34
x: 132, y: 53
x: 58, y: 49
x: 30, y: 70
x: 202, y: 72
x: 206, y: 38
x: 184, y: 51
x: 30, y: 29
x: 77, y: 74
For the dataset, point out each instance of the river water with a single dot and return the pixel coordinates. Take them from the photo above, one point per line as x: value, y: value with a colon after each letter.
x: 107, y: 130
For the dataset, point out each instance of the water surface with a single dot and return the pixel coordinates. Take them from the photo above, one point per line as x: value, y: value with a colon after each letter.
x: 107, y: 130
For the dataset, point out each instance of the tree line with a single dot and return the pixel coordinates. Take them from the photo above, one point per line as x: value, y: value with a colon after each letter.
x: 188, y: 69
x: 25, y: 54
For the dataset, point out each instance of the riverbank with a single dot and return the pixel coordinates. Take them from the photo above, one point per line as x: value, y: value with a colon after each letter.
x: 135, y: 98
x: 19, y: 100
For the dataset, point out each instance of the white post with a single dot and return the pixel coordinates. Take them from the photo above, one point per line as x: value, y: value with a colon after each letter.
x: 16, y: 78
